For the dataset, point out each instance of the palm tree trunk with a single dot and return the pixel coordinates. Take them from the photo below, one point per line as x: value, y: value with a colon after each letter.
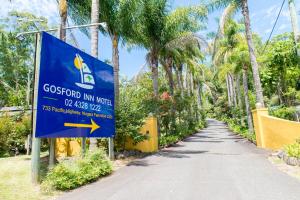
x: 247, y: 104
x: 231, y: 90
x: 199, y: 100
x: 115, y: 61
x: 187, y: 82
x: 238, y: 91
x: 94, y: 49
x: 169, y: 71
x: 254, y: 64
x: 233, y: 83
x: 154, y: 69
x: 294, y: 21
x: 63, y: 11
x: 94, y: 29
x: 192, y: 83
x: 178, y: 78
x: 180, y: 68
x: 228, y: 91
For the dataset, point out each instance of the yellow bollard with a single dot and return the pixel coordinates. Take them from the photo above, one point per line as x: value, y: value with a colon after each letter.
x: 74, y: 148
x: 65, y: 147
x: 61, y: 147
x: 150, y: 145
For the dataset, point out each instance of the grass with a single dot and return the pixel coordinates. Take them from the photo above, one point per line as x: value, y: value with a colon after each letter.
x: 15, y: 179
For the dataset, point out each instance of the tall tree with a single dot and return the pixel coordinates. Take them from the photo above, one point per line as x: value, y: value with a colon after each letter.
x: 157, y: 27
x: 241, y: 59
x: 63, y: 13
x: 94, y: 49
x: 16, y: 55
x: 119, y: 18
x: 243, y: 5
x: 294, y: 21
x: 94, y: 29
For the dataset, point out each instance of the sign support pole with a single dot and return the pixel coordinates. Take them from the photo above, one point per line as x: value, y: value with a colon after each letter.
x: 83, y: 146
x: 52, y: 153
x: 36, y: 142
x: 111, y: 148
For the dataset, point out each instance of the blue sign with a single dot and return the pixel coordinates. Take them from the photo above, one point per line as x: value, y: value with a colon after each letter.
x: 75, y: 93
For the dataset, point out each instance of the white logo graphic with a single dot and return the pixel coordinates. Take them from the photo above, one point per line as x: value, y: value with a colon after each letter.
x: 87, y: 79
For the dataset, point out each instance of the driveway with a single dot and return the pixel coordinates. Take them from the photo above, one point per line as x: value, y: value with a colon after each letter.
x: 213, y: 164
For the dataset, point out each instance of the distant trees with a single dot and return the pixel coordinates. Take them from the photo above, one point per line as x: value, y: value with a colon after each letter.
x: 16, y: 58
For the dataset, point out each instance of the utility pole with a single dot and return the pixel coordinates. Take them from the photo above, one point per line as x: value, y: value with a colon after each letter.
x: 294, y: 21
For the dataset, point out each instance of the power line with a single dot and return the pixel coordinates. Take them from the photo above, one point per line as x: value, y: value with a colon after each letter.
x: 274, y: 26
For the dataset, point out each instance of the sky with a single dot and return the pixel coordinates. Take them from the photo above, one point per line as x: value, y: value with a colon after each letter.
x: 262, y: 15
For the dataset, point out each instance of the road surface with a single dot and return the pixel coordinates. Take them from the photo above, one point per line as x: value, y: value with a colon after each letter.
x: 213, y: 164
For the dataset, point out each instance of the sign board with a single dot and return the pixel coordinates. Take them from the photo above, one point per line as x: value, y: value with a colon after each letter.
x: 75, y: 94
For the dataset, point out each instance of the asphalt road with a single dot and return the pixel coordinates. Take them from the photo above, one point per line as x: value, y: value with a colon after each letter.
x: 211, y: 165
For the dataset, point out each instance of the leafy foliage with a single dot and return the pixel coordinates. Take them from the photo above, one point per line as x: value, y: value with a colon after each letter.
x: 16, y: 56
x: 288, y: 113
x: 13, y: 133
x: 281, y: 73
x: 293, y: 150
x: 70, y: 174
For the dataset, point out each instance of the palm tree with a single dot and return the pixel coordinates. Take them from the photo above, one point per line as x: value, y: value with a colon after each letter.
x: 157, y: 27
x: 184, y: 48
x: 94, y: 29
x: 243, y: 4
x: 225, y: 48
x: 63, y: 13
x: 118, y: 16
x: 240, y: 59
x: 149, y: 33
x: 94, y: 51
x: 294, y: 21
x: 233, y: 55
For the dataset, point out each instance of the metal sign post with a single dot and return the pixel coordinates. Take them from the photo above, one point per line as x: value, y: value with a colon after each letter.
x: 36, y: 142
x: 57, y: 109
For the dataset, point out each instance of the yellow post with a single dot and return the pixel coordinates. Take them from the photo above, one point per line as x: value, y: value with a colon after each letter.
x: 258, y: 125
x: 61, y: 147
x: 74, y: 148
x: 150, y: 145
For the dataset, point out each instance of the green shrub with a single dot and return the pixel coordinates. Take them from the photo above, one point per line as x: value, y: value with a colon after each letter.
x: 13, y: 132
x: 178, y: 115
x: 70, y: 174
x: 293, y: 150
x: 6, y: 125
x: 166, y: 140
x: 288, y: 113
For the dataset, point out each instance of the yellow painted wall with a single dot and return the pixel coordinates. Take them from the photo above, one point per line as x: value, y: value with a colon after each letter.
x: 273, y: 133
x: 61, y: 147
x: 65, y: 147
x: 150, y: 145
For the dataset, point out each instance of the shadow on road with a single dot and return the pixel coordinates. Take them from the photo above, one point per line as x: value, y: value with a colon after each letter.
x: 139, y: 163
x: 203, y: 141
x: 178, y: 153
